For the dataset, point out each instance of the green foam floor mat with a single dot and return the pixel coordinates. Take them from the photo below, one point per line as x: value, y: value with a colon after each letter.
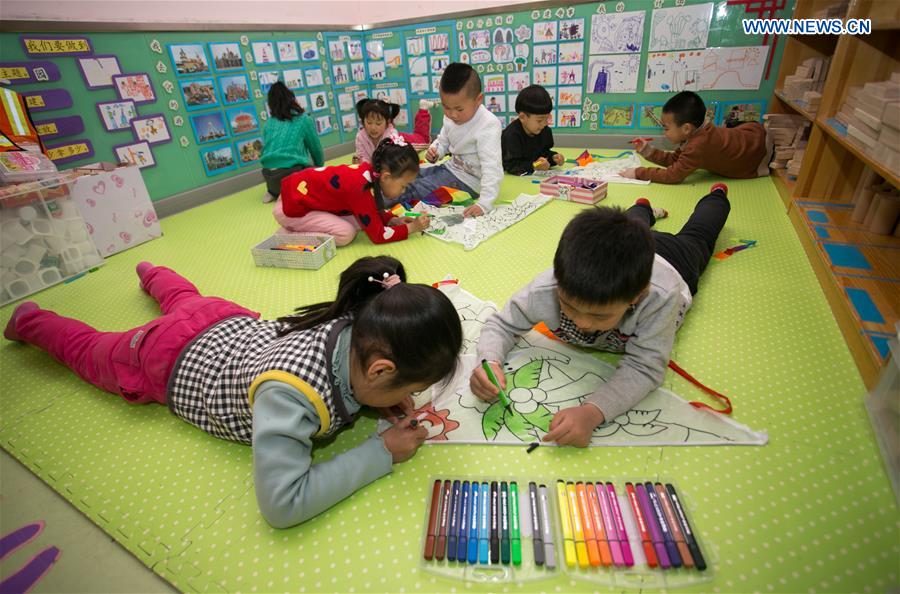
x: 811, y: 511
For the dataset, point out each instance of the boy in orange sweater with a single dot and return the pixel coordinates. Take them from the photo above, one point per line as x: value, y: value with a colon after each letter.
x: 741, y: 152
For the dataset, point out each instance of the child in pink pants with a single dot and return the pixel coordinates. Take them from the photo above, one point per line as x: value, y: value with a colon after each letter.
x: 137, y: 363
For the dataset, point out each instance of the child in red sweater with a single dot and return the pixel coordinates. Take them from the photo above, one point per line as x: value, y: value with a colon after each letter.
x: 342, y: 199
x: 741, y: 152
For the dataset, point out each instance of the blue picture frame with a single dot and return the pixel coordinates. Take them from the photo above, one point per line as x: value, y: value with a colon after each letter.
x: 229, y: 92
x: 265, y: 86
x: 244, y: 141
x: 210, y: 165
x: 199, y: 93
x: 239, y: 55
x: 236, y: 127
x: 191, y: 66
x: 209, y: 127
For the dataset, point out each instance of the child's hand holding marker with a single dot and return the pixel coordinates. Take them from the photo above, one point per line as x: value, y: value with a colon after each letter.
x: 574, y: 426
x: 541, y: 164
x: 640, y: 144
x: 414, y: 224
x: 488, y: 382
x: 558, y: 159
x: 394, y: 414
x: 431, y: 154
x: 404, y: 438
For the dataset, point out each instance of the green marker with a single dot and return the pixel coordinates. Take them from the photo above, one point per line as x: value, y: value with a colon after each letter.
x: 514, y: 534
x: 504, y: 399
x: 409, y: 213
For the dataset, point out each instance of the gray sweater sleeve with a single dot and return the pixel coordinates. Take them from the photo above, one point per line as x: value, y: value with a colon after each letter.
x: 531, y: 305
x: 289, y: 488
x: 643, y: 365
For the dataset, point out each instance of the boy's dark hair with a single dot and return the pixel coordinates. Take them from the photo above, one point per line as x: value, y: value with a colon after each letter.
x: 282, y: 102
x: 397, y: 159
x: 534, y: 99
x: 386, y: 110
x: 686, y: 107
x: 458, y: 76
x: 415, y: 326
x: 604, y: 257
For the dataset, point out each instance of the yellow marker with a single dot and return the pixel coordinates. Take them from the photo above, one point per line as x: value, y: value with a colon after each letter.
x: 577, y: 527
x: 566, y: 523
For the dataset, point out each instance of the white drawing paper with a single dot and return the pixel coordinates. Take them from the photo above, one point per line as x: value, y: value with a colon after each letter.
x: 680, y: 27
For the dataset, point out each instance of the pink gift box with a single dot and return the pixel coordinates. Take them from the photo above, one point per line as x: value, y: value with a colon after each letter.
x: 574, y: 189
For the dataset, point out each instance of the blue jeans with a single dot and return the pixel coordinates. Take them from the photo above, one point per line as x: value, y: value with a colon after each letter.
x: 429, y: 180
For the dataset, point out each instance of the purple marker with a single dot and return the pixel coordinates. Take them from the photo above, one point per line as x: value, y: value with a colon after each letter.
x: 652, y: 523
x: 620, y: 525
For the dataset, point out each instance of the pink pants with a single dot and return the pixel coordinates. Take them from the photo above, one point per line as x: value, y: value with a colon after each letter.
x: 342, y: 228
x: 421, y: 133
x: 135, y: 364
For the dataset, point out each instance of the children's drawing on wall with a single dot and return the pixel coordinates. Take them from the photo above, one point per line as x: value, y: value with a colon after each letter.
x: 545, y: 54
x: 323, y: 125
x: 98, y: 71
x: 267, y: 78
x: 439, y: 42
x: 571, y: 53
x: 518, y: 80
x: 393, y: 58
x: 521, y: 51
x: 617, y: 32
x: 544, y: 376
x: 461, y: 41
x: 354, y: 49
x: 494, y: 83
x: 439, y: 63
x: 736, y: 113
x: 617, y: 116
x: 571, y: 30
x: 570, y: 75
x: 135, y: 87
x: 358, y: 71
x: 669, y: 72
x: 545, y: 31
x: 733, y: 68
x: 336, y: 50
x: 418, y: 65
x: 341, y: 74
x: 479, y: 39
x: 348, y: 122
x: 545, y: 76
x: 319, y: 101
x: 375, y: 49
x: 680, y: 27
x: 495, y: 104
x: 481, y: 57
x: 503, y: 35
x: 377, y: 70
x: 523, y: 33
x: 314, y: 77
x: 503, y: 53
x: 616, y: 73
x: 568, y: 118
x: 650, y: 116
x: 569, y: 96
x: 137, y: 153
x: 415, y: 46
x: 418, y: 84
x: 309, y: 51
x: 287, y: 51
x: 264, y: 52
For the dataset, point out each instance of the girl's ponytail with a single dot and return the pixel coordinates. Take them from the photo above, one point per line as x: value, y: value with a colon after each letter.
x: 354, y: 290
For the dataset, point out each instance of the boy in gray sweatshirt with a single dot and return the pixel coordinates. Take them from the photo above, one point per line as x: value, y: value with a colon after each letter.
x: 616, y: 286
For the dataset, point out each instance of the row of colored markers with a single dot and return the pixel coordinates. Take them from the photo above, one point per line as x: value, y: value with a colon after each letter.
x: 478, y: 523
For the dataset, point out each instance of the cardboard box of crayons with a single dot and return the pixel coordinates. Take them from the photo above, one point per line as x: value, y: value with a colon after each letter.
x: 575, y: 189
x: 622, y: 533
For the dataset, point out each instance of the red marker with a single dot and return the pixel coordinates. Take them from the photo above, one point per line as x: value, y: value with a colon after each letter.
x: 636, y: 140
x: 445, y: 517
x: 432, y: 520
x: 642, y: 526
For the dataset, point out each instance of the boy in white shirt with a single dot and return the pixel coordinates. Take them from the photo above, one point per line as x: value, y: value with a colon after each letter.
x: 471, y: 135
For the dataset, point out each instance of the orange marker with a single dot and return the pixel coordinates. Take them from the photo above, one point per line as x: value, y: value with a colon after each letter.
x: 602, y: 536
x: 590, y: 535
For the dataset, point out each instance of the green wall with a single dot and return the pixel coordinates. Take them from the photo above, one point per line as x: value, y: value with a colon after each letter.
x: 180, y: 168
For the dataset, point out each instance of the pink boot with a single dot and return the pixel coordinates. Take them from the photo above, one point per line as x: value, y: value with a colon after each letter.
x: 10, y: 332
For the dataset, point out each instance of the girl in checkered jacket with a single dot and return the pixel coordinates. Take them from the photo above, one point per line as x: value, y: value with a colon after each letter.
x: 278, y: 385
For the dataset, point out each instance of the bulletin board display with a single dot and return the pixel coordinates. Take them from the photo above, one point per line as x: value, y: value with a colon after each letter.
x: 189, y: 107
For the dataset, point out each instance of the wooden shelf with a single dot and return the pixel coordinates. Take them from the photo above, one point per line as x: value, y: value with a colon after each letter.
x: 784, y: 184
x: 858, y: 151
x: 811, y: 116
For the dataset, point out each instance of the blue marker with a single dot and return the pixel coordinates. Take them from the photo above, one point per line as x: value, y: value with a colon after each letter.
x: 464, y: 507
x: 484, y: 528
x: 473, y: 524
x: 454, y: 522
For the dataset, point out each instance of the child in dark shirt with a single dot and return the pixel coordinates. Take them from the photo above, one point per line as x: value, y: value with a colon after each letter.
x: 527, y: 142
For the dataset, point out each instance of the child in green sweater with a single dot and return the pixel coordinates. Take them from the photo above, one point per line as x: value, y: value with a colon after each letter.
x: 290, y: 142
